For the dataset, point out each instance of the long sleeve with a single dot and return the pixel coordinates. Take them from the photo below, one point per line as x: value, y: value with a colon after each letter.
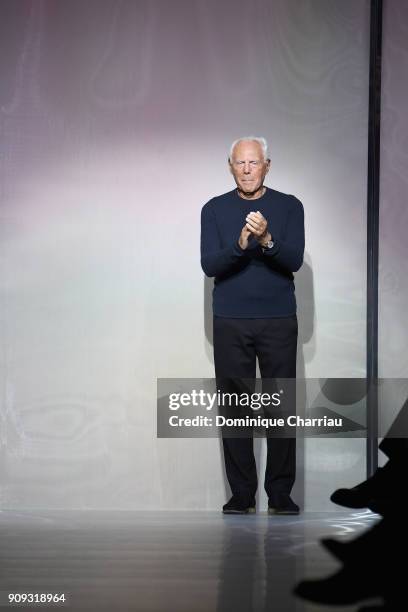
x: 288, y: 253
x: 215, y: 260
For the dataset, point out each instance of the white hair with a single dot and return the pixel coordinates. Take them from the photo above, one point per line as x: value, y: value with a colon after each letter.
x: 259, y: 139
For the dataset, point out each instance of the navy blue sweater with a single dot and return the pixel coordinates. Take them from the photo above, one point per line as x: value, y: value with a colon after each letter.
x: 252, y: 283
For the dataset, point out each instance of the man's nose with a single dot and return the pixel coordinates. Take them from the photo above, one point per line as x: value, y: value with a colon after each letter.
x: 247, y: 168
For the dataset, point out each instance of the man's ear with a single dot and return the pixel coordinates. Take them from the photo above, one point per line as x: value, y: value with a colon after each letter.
x: 229, y: 165
x: 268, y: 165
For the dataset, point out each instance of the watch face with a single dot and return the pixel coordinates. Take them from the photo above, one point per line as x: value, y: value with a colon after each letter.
x: 270, y: 244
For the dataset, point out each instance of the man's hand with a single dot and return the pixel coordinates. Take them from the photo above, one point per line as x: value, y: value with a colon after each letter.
x: 244, y: 237
x: 257, y: 225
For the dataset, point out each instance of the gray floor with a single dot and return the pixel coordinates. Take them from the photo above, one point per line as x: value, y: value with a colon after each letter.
x: 169, y: 561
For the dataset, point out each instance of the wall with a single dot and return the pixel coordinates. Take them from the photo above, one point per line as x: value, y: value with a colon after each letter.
x: 116, y: 119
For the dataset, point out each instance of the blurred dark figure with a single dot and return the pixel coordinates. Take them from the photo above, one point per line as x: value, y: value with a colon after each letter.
x: 373, y: 564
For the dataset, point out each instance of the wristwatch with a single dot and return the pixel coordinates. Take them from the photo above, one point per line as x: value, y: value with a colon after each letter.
x: 268, y: 245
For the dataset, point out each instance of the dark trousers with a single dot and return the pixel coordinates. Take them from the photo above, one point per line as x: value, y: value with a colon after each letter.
x: 237, y: 344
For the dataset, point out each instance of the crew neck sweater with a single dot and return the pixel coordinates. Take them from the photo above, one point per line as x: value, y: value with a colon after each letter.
x: 252, y: 282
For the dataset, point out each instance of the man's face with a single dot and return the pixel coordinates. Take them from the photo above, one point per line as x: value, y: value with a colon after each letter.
x: 248, y: 166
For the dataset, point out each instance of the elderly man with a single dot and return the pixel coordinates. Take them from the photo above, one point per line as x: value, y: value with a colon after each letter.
x: 252, y: 240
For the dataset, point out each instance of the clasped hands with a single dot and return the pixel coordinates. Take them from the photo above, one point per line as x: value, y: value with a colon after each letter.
x: 257, y: 226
